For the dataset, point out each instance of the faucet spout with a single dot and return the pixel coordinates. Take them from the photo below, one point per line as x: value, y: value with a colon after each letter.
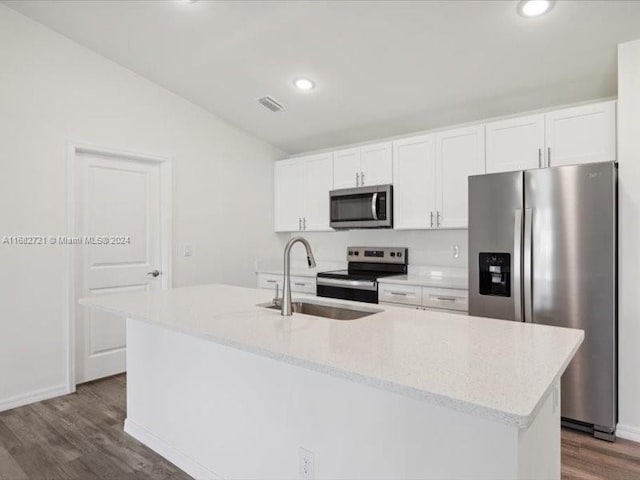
x: 286, y: 284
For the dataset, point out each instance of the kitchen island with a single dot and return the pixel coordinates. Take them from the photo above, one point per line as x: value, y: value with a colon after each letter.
x: 225, y: 388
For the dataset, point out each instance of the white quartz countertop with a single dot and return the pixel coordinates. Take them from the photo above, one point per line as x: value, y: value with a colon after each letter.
x: 496, y: 369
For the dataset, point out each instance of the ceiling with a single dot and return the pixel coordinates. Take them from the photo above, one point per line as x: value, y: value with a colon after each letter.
x: 381, y: 68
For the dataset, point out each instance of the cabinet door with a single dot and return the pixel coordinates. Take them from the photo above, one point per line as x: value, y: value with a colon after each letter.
x: 288, y: 194
x: 346, y: 168
x: 269, y: 281
x: 414, y: 180
x: 581, y: 134
x: 376, y: 164
x: 318, y: 181
x: 515, y: 144
x: 459, y: 154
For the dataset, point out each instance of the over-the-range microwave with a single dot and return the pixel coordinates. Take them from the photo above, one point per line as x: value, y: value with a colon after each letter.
x: 363, y: 207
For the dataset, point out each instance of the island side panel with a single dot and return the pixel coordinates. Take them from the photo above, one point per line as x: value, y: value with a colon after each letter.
x: 219, y: 412
x: 539, y: 445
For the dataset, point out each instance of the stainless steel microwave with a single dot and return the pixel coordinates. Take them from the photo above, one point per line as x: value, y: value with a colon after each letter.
x: 363, y: 207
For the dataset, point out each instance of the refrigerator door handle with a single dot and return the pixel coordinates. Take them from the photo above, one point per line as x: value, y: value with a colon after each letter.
x: 517, y: 265
x: 527, y: 263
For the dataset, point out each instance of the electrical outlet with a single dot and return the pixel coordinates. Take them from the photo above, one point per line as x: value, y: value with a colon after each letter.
x: 307, y: 464
x: 188, y: 250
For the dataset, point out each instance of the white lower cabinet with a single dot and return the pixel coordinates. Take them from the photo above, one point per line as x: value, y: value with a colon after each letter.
x: 427, y: 298
x: 445, y: 298
x: 298, y: 284
x: 404, y: 294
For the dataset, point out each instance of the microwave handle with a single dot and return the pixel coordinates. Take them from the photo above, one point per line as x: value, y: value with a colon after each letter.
x: 374, y: 206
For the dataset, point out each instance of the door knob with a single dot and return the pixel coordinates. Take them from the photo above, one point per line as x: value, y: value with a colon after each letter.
x: 155, y: 273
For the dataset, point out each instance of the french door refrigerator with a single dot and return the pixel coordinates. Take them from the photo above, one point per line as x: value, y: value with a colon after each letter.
x: 542, y: 249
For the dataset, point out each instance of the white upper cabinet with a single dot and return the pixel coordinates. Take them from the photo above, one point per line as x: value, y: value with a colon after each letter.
x: 376, y: 164
x: 581, y: 134
x: 363, y: 166
x: 301, y: 188
x: 430, y: 172
x: 317, y: 184
x: 288, y: 192
x: 459, y: 154
x: 346, y: 168
x: 515, y: 144
x: 414, y: 182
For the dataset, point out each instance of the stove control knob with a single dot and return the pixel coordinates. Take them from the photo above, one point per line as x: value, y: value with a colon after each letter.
x: 356, y: 253
x: 393, y: 254
x: 350, y: 252
x: 399, y: 254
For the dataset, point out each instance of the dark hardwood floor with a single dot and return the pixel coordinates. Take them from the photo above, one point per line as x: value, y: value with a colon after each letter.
x: 80, y: 436
x: 77, y: 436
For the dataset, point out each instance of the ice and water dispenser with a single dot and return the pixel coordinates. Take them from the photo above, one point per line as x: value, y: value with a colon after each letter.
x: 495, y: 274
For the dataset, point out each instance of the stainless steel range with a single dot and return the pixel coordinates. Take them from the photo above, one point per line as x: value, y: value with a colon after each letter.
x: 360, y: 281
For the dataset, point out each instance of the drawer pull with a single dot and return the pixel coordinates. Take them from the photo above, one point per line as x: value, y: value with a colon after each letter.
x: 448, y: 299
x: 300, y: 284
x: 272, y: 281
x: 402, y: 294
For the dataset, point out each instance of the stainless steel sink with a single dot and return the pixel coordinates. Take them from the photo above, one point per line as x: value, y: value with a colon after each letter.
x: 325, y: 310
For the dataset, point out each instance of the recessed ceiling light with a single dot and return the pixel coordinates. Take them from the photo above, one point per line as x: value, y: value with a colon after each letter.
x: 304, y: 84
x: 534, y: 8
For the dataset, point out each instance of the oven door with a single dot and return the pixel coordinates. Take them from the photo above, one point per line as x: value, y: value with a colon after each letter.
x: 357, y: 290
x: 364, y: 207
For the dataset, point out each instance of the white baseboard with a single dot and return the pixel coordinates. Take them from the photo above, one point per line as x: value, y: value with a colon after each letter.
x: 171, y: 453
x: 32, y: 397
x: 628, y: 432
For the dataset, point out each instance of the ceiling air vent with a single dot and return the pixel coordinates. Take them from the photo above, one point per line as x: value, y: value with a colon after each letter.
x: 271, y: 103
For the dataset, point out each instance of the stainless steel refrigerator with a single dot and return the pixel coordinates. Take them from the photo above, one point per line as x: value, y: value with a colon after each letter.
x: 543, y: 249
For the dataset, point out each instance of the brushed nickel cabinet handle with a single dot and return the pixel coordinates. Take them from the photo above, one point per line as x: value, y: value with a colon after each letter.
x: 357, y: 179
x: 539, y: 158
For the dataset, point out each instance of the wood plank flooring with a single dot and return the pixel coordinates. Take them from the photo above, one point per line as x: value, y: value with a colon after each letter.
x: 80, y: 436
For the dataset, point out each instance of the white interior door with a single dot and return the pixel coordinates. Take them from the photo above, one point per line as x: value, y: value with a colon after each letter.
x: 117, y: 201
x: 515, y: 144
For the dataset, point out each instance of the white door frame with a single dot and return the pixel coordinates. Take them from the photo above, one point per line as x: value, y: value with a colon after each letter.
x: 166, y: 182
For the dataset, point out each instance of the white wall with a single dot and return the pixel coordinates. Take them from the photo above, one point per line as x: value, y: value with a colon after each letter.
x: 425, y: 247
x: 53, y: 90
x: 629, y: 230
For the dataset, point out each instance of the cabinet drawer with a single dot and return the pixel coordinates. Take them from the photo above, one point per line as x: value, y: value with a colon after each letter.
x: 445, y: 298
x: 303, y: 285
x: 268, y: 280
x: 404, y: 294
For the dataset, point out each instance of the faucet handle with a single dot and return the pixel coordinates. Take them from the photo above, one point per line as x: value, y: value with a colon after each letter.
x: 276, y: 300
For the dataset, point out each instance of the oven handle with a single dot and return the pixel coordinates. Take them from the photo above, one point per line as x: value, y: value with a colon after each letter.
x: 374, y: 206
x: 354, y: 284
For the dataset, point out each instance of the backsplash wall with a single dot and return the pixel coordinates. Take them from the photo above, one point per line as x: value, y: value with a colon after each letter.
x: 426, y: 247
